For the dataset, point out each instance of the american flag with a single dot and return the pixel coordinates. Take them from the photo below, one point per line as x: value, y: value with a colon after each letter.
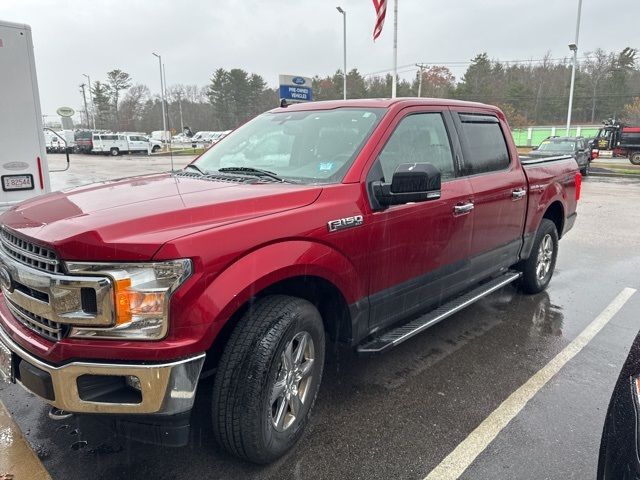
x: 381, y: 11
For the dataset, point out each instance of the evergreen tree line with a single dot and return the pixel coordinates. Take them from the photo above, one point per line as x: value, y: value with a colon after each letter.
x: 530, y: 93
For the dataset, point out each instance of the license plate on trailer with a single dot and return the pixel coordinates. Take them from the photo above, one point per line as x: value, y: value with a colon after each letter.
x: 17, y: 182
x: 6, y: 364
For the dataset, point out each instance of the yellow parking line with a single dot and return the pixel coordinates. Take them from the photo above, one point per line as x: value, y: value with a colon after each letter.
x: 17, y: 460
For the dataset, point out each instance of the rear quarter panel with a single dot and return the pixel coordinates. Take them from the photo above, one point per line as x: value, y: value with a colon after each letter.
x: 548, y: 183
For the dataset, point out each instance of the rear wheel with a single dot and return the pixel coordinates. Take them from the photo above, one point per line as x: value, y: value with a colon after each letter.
x: 537, y: 270
x: 114, y: 152
x: 268, y: 378
x: 635, y: 158
x: 585, y: 170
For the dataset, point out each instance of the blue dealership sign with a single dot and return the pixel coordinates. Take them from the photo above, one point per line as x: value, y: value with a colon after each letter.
x: 294, y: 88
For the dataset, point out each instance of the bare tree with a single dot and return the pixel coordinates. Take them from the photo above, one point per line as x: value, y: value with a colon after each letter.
x: 117, y: 81
x: 597, y: 66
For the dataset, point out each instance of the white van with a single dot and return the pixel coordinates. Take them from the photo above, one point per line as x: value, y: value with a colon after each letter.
x: 116, y: 143
x: 24, y: 170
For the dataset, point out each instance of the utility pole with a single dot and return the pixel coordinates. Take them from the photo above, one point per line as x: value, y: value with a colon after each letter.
x: 180, y: 107
x: 344, y: 47
x: 422, y: 67
x: 164, y: 118
x: 574, y: 48
x: 93, y: 107
x: 84, y: 97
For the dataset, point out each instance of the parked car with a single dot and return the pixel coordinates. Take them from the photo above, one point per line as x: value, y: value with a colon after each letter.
x: 620, y: 447
x: 577, y: 147
x: 361, y: 221
x: 84, y: 141
x: 164, y: 137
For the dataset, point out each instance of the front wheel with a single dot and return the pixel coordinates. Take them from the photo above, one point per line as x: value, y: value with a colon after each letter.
x: 635, y: 158
x: 268, y: 378
x: 114, y: 152
x: 537, y: 270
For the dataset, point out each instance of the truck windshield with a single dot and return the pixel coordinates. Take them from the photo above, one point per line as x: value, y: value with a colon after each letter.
x: 315, y: 146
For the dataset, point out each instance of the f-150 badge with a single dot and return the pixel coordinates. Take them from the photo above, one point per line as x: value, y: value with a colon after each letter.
x: 347, y: 222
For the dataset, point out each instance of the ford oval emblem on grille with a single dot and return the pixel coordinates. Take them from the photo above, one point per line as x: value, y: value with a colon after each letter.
x: 15, y: 166
x: 298, y: 80
x: 5, y: 278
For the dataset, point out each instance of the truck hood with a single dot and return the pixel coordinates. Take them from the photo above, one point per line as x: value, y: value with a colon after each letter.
x: 130, y: 219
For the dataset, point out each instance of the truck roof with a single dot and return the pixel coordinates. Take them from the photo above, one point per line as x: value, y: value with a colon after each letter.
x: 21, y: 26
x: 382, y: 103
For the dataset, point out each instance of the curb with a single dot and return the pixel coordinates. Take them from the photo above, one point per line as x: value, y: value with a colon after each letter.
x: 17, y: 460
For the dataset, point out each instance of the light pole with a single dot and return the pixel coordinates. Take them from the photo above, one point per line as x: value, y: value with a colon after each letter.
x: 344, y: 48
x: 93, y: 108
x: 574, y: 48
x: 164, y: 118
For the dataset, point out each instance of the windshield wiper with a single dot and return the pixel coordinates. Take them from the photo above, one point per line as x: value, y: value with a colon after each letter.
x: 193, y: 165
x: 254, y: 171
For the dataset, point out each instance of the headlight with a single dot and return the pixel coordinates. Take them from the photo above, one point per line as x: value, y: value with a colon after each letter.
x: 141, y: 297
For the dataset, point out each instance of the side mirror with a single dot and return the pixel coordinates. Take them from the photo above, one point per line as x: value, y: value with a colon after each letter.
x: 534, y: 148
x: 411, y: 182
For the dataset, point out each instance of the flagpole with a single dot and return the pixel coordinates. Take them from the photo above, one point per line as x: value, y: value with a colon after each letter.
x: 395, y: 48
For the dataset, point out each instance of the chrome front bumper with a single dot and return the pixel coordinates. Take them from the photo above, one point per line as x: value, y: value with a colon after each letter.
x: 166, y: 389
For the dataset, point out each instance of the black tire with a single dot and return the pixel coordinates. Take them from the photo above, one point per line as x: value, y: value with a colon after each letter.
x: 585, y: 171
x: 531, y: 281
x: 635, y: 158
x: 114, y: 152
x: 155, y: 148
x: 251, y: 363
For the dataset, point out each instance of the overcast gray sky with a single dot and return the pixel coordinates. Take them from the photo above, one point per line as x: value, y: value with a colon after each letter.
x: 302, y: 37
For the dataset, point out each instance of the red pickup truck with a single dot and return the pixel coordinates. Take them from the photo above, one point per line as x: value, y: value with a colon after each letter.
x: 362, y: 222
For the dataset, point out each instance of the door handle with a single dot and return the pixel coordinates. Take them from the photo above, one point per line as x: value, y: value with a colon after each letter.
x: 463, y: 208
x: 518, y: 193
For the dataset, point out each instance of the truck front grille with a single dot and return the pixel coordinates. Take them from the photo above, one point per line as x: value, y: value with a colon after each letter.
x: 29, y: 253
x: 46, y: 328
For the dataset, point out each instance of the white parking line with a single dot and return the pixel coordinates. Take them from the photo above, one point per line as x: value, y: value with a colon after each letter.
x: 466, y: 452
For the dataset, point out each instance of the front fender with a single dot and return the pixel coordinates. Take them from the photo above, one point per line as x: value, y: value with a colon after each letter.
x: 270, y: 264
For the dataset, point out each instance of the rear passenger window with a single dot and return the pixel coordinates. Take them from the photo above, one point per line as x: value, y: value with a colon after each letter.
x: 485, y: 146
x: 418, y: 138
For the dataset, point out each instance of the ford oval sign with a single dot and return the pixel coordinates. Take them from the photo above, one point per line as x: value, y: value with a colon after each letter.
x: 15, y: 166
x: 298, y: 80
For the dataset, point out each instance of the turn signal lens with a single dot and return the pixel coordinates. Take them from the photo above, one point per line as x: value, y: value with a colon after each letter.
x: 578, y: 185
x: 130, y: 302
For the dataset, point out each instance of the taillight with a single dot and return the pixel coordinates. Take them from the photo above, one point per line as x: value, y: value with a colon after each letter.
x: 578, y: 185
x: 595, y: 153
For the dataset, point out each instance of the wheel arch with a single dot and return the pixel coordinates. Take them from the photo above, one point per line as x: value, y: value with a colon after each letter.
x: 303, y: 269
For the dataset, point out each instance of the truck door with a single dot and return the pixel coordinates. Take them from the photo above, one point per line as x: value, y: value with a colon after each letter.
x: 419, y: 250
x: 499, y: 193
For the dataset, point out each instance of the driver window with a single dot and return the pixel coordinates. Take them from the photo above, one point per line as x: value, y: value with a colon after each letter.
x: 418, y: 138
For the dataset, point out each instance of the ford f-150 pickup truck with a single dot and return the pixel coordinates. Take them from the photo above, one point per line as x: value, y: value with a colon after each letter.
x: 359, y: 222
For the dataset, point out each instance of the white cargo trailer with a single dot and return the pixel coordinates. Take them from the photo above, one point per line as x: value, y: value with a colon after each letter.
x: 24, y: 171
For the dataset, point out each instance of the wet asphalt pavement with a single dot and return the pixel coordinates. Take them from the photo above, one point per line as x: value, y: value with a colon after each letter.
x: 399, y: 414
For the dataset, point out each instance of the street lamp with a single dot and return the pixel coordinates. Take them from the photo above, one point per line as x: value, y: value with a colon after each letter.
x: 574, y: 48
x: 164, y: 119
x: 93, y: 109
x: 344, y: 36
